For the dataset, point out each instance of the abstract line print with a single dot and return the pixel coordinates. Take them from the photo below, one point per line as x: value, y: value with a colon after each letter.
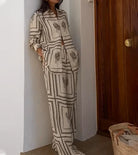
x: 62, y: 97
x: 60, y: 65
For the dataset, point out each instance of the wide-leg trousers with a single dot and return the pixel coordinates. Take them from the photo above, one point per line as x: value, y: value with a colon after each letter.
x: 61, y: 86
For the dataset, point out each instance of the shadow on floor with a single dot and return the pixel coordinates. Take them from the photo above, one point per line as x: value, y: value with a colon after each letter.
x: 97, y: 145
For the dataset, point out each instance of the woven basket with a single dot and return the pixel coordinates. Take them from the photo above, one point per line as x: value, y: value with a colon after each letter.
x: 119, y: 147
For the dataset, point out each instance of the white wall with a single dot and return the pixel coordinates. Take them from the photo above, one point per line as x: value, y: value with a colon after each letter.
x: 88, y: 71
x: 11, y: 76
x: 75, y: 29
x: 66, y: 6
x: 37, y: 130
x: 82, y: 30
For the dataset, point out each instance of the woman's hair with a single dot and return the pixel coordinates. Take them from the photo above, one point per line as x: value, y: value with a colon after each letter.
x: 45, y: 5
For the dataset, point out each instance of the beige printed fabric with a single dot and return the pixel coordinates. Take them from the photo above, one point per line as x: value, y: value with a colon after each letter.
x: 60, y: 65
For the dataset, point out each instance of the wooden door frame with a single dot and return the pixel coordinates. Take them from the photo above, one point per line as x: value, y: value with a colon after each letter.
x: 96, y: 62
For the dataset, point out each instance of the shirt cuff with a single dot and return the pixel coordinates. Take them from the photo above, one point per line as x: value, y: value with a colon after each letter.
x: 36, y: 46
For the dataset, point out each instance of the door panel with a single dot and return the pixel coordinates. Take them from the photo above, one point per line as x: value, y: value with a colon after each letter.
x: 116, y: 64
x: 132, y: 65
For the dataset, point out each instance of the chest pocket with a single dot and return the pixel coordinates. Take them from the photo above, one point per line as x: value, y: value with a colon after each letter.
x: 73, y: 56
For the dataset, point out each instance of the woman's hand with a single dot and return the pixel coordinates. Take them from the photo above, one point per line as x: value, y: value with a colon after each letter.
x: 39, y: 51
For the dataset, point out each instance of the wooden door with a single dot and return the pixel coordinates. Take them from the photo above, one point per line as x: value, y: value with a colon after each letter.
x: 116, y: 61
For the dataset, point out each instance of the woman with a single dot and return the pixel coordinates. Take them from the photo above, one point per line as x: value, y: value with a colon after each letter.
x: 50, y: 38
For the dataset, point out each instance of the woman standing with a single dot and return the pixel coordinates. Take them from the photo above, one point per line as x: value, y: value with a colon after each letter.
x: 50, y: 38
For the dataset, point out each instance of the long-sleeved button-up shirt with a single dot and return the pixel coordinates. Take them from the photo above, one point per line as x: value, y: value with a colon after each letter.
x: 47, y: 31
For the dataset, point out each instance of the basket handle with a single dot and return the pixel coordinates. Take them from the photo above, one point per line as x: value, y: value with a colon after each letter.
x: 118, y: 134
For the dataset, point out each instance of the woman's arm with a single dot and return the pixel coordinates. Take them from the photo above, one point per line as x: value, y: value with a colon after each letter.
x: 35, y: 34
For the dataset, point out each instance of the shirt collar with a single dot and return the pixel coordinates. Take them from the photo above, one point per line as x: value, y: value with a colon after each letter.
x: 51, y: 12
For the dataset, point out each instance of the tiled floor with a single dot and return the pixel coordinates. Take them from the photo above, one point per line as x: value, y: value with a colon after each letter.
x: 97, y: 145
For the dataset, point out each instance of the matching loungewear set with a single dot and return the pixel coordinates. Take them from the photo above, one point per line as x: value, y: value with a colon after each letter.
x: 60, y: 65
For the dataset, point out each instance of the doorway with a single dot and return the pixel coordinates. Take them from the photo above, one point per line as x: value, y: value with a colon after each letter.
x: 116, y: 62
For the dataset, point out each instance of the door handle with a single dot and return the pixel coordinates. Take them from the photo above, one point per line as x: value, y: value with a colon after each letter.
x: 128, y: 42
